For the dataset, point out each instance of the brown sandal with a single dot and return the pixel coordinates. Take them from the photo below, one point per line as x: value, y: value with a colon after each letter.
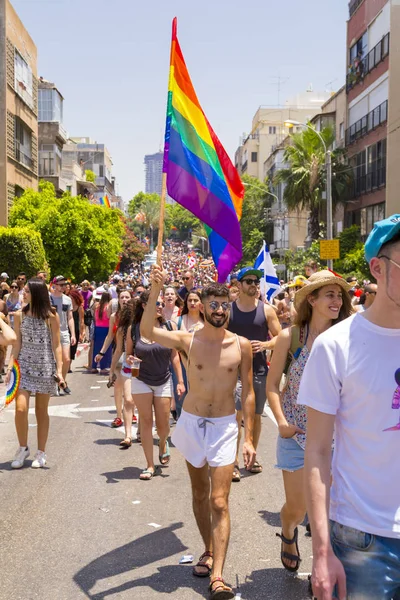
x: 220, y: 591
x: 126, y: 443
x: 203, y: 565
x: 236, y: 476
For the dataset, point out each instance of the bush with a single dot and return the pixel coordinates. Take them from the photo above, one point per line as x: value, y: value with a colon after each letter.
x: 21, y: 249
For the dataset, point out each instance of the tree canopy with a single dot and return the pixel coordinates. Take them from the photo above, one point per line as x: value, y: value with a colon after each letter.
x: 305, y: 175
x: 81, y: 240
x: 21, y: 250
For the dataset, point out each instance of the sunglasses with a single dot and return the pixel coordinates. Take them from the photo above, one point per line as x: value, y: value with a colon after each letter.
x: 20, y: 278
x: 13, y: 287
x: 390, y: 260
x: 158, y: 304
x: 185, y: 278
x: 214, y: 305
x: 251, y: 281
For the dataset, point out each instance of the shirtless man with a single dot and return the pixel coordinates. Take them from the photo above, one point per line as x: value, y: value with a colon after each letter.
x: 206, y: 432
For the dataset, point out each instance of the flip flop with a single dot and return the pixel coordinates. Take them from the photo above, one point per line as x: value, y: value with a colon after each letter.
x: 166, y: 457
x: 149, y: 474
x: 236, y: 476
x: 203, y: 565
x: 220, y: 591
x: 126, y: 443
x: 293, y: 557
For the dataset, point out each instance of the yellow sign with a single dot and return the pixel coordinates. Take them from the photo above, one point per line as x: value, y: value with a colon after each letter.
x: 329, y: 249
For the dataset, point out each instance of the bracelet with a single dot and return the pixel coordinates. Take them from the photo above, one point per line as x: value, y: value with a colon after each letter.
x: 102, y: 353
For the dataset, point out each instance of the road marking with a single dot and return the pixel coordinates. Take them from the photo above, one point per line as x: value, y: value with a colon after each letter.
x: 155, y: 525
x: 135, y: 501
x: 72, y: 411
x: 94, y: 387
x: 101, y: 381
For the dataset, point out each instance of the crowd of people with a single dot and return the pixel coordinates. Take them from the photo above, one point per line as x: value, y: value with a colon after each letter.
x: 174, y: 342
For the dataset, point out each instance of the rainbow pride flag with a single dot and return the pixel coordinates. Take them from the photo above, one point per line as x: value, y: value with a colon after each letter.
x: 200, y: 174
x: 104, y: 201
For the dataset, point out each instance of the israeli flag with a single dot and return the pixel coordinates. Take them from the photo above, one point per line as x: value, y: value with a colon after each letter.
x: 269, y: 284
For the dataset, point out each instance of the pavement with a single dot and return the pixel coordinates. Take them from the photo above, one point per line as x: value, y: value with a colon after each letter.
x: 86, y: 527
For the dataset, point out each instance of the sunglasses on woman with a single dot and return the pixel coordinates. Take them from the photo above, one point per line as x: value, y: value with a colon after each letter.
x: 158, y: 304
x: 13, y: 287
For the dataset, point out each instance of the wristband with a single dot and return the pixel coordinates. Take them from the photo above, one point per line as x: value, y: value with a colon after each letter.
x: 102, y: 353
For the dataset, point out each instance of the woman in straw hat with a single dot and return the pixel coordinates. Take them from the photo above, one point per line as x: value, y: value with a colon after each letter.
x: 321, y: 303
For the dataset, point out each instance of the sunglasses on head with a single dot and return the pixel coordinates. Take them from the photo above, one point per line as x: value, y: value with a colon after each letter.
x: 214, y: 305
x: 251, y: 281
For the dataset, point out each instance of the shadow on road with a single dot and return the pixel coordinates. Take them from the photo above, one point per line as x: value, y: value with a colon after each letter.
x: 272, y: 518
x: 150, y: 548
x: 266, y: 584
x: 126, y: 473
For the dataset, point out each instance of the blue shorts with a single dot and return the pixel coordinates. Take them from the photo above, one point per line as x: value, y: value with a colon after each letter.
x: 371, y: 563
x: 289, y: 455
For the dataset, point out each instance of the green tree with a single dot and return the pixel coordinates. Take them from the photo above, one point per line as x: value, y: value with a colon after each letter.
x: 355, y: 264
x: 90, y: 176
x: 305, y: 177
x: 81, y: 240
x: 21, y: 249
x: 179, y: 219
x: 254, y: 224
x: 133, y: 250
x: 295, y: 260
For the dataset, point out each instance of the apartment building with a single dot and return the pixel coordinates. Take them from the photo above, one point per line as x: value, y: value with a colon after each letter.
x: 18, y: 109
x: 369, y: 45
x: 52, y: 135
x: 96, y: 157
x: 268, y: 130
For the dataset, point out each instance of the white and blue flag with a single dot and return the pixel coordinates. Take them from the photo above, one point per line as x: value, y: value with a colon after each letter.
x: 269, y: 284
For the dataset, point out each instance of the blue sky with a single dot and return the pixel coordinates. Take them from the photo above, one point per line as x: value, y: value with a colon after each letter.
x: 110, y: 60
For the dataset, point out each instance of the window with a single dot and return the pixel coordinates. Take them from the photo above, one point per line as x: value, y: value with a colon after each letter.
x: 23, y: 79
x: 254, y: 157
x: 23, y: 143
x: 369, y: 169
x: 272, y: 130
x: 50, y: 105
x: 360, y: 48
x: 341, y: 131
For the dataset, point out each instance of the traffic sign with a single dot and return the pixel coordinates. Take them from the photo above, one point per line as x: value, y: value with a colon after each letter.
x: 329, y: 249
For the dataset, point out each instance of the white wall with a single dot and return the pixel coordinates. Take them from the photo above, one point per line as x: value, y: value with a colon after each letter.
x: 379, y: 27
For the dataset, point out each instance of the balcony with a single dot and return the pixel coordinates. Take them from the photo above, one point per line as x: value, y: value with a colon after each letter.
x: 362, y: 66
x: 370, y: 182
x: 244, y: 167
x: 369, y: 122
x: 21, y: 156
x: 353, y: 5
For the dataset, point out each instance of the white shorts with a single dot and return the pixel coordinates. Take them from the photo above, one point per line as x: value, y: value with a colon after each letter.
x: 202, y: 440
x: 159, y: 391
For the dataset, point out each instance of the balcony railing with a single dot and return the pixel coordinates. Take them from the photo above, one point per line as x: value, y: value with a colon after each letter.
x: 244, y: 167
x: 21, y: 157
x: 367, y: 123
x: 362, y: 66
x: 373, y: 180
x: 353, y: 5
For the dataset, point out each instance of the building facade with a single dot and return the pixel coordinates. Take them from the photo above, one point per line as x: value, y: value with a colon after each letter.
x: 268, y: 130
x: 52, y: 135
x: 369, y: 45
x: 153, y: 173
x: 95, y: 157
x: 18, y: 109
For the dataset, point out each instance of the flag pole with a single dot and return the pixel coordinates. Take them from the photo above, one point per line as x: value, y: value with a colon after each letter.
x: 166, y: 148
x: 162, y: 216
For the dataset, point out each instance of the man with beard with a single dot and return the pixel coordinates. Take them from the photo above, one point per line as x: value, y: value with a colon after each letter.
x: 207, y: 431
x: 258, y: 322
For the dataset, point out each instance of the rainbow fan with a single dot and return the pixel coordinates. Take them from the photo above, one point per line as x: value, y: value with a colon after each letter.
x: 13, y: 385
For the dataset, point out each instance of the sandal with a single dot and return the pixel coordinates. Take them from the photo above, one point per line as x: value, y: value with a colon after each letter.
x: 126, y: 443
x: 166, y: 457
x: 117, y: 422
x: 256, y: 468
x: 146, y: 474
x: 236, y: 476
x: 293, y: 557
x: 221, y: 591
x: 203, y: 565
x: 134, y: 420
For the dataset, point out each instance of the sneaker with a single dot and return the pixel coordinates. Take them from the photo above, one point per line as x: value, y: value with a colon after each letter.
x: 20, y: 456
x: 67, y: 390
x: 39, y: 460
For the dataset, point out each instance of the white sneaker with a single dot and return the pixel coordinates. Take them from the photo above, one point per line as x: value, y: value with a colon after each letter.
x: 39, y: 460
x: 20, y: 456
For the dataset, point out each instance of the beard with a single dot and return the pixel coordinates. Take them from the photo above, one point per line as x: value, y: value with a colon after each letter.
x: 252, y: 291
x: 210, y: 318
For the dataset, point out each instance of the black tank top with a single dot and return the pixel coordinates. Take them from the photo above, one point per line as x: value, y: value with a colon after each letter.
x: 253, y: 326
x: 154, y: 370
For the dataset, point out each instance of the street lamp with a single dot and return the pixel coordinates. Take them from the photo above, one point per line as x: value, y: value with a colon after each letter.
x: 328, y: 166
x: 262, y: 190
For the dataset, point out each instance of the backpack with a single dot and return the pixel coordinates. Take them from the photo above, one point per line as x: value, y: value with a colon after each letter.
x: 298, y: 341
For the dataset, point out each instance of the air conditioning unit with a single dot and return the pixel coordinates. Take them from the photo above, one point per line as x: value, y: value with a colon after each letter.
x: 300, y: 248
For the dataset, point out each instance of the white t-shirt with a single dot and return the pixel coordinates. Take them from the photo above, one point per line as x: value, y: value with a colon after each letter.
x: 353, y: 372
x: 113, y: 291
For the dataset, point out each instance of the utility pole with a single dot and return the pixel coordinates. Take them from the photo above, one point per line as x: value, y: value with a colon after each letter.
x: 329, y: 210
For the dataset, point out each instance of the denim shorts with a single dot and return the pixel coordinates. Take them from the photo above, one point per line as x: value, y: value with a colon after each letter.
x: 289, y: 454
x: 371, y: 563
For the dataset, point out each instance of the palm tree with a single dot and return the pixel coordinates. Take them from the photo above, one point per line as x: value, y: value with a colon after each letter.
x: 305, y: 176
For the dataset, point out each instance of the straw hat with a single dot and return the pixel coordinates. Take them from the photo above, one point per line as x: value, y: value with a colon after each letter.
x: 316, y: 281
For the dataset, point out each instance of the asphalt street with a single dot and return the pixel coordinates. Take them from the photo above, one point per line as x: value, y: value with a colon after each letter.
x: 86, y: 527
